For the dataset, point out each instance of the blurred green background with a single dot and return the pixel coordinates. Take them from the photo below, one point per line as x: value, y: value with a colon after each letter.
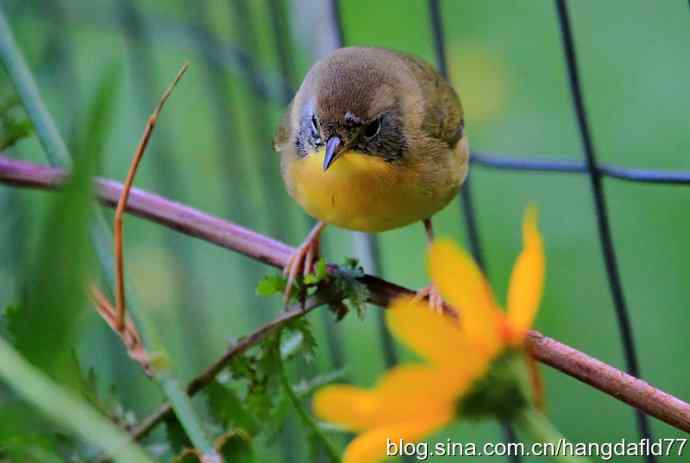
x: 212, y: 150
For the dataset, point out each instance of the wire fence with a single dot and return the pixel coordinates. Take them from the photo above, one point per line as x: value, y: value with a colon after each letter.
x: 221, y: 56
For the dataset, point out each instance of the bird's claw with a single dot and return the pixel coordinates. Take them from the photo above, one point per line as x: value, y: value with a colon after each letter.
x: 302, y: 260
x: 435, y: 299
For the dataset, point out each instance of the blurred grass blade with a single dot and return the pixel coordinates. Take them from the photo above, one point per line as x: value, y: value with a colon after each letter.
x: 100, y: 113
x: 65, y: 409
x: 55, y: 297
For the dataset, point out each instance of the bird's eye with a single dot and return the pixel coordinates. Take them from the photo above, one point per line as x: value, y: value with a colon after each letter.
x: 315, y: 128
x: 373, y: 128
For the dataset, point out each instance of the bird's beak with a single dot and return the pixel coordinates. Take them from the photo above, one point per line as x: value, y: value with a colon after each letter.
x: 334, y: 148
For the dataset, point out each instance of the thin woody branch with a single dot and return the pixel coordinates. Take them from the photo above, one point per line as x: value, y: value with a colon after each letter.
x: 208, y: 375
x: 118, y: 233
x: 128, y: 332
x: 631, y: 390
x: 192, y: 222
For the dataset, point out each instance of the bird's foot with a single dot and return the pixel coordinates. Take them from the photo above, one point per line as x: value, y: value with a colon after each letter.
x: 302, y: 260
x: 435, y: 299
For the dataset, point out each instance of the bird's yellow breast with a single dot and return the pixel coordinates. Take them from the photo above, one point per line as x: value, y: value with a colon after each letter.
x: 362, y: 192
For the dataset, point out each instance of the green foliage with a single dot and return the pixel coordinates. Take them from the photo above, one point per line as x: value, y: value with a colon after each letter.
x: 7, y: 316
x: 315, y: 439
x: 348, y: 284
x: 175, y: 435
x: 30, y: 449
x: 344, y: 279
x: 105, y: 400
x: 319, y: 274
x: 251, y: 397
x: 64, y: 407
x: 271, y: 284
x: 274, y: 284
x: 254, y: 374
x: 235, y: 447
x: 225, y: 405
x: 302, y: 340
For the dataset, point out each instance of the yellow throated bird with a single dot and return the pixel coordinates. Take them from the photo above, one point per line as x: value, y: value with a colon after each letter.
x: 373, y: 140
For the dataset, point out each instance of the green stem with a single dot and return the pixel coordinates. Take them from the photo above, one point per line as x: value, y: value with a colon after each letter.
x: 66, y: 409
x: 306, y: 419
x: 188, y: 417
x: 539, y: 429
x: 19, y: 73
x: 58, y: 154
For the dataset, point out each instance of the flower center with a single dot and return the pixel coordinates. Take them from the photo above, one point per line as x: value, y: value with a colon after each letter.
x: 500, y: 392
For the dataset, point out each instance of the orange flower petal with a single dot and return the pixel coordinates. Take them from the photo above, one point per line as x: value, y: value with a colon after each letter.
x: 372, y: 446
x: 351, y: 407
x: 527, y: 279
x: 435, y: 337
x: 398, y: 396
x: 464, y: 287
x: 410, y: 379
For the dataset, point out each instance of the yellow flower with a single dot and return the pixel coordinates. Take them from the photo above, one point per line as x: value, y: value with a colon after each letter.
x: 412, y: 401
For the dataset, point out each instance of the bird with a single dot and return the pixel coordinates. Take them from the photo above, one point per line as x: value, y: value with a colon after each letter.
x: 373, y: 140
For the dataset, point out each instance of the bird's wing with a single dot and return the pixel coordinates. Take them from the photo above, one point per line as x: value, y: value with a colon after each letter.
x: 444, y: 117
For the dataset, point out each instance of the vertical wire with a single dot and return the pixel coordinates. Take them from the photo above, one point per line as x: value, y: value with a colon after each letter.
x: 470, y: 215
x: 466, y: 194
x: 604, y: 227
x: 166, y: 178
x: 366, y: 245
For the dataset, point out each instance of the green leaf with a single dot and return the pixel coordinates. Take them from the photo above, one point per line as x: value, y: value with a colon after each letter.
x: 175, y: 435
x: 254, y: 371
x: 270, y: 285
x: 307, y: 344
x: 275, y: 283
x: 106, y: 402
x: 226, y: 406
x: 347, y: 282
x: 319, y: 274
x: 235, y: 447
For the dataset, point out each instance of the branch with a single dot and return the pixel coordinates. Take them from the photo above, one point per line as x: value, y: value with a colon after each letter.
x: 192, y: 222
x: 631, y: 390
x: 198, y: 383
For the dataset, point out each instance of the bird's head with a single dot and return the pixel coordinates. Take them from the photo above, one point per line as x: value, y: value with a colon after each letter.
x: 351, y: 107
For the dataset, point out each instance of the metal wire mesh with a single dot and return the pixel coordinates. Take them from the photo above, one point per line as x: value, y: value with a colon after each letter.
x: 239, y: 57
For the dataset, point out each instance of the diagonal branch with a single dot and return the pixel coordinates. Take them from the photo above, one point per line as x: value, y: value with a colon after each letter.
x: 208, y: 375
x: 231, y: 236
